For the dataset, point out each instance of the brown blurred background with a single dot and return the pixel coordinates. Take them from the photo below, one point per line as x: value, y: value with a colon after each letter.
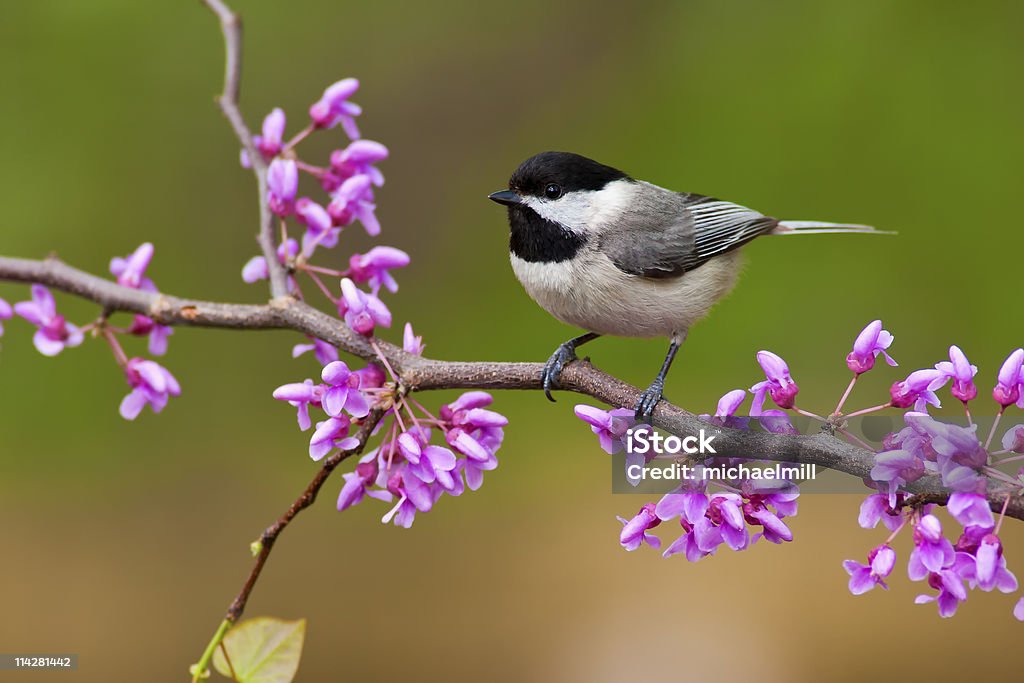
x: 124, y: 542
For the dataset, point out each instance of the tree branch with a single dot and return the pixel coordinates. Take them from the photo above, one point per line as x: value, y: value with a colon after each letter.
x: 422, y: 374
x: 231, y: 27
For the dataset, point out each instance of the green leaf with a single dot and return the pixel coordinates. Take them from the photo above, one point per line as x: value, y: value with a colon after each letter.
x: 262, y: 650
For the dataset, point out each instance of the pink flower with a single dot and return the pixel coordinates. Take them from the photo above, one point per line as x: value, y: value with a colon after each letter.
x: 918, y: 390
x: 609, y: 425
x: 373, y: 267
x: 958, y: 369
x: 362, y: 311
x: 872, y: 340
x: 779, y: 385
x: 282, y: 186
x: 359, y: 159
x: 1008, y: 383
x: 410, y: 342
x: 635, y: 530
x: 131, y: 270
x: 54, y: 333
x: 255, y: 268
x: 333, y: 107
x: 151, y: 384
x: 864, y: 577
x: 354, y: 201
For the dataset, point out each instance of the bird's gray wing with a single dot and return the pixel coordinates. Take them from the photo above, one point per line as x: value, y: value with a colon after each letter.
x: 674, y: 235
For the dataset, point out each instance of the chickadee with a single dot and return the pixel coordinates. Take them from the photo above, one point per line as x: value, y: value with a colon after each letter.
x: 617, y: 256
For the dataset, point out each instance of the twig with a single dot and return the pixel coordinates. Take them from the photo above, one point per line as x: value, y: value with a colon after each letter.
x: 231, y: 27
x: 265, y: 544
x: 419, y: 373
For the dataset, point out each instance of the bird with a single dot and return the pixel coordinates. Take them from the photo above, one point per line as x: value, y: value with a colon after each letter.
x: 613, y: 255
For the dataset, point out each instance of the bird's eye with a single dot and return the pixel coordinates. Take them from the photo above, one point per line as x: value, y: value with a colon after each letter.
x: 553, y: 191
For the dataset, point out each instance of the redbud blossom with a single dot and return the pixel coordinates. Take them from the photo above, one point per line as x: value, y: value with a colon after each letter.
x: 960, y: 370
x: 333, y: 107
x: 864, y: 577
x: 255, y: 269
x: 151, y: 384
x: 917, y: 390
x: 373, y: 267
x: 1008, y: 383
x: 54, y: 333
x: 282, y: 186
x: 872, y: 341
x: 358, y: 159
x: 635, y: 531
x: 362, y: 311
x: 354, y: 200
x: 779, y: 385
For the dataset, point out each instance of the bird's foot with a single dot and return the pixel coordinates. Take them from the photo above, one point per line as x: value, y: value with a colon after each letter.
x: 564, y: 354
x: 648, y: 400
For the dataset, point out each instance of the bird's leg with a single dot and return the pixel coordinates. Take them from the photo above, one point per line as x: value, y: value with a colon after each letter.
x: 650, y: 397
x: 565, y: 353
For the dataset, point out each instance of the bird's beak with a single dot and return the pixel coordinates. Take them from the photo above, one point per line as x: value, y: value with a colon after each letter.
x: 507, y: 197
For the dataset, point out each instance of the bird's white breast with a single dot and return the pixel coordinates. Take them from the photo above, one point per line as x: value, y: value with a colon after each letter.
x: 591, y: 293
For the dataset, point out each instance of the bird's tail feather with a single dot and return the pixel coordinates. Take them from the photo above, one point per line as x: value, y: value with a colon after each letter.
x: 819, y: 227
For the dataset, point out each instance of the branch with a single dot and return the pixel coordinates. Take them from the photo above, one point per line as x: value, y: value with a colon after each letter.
x: 262, y: 548
x: 423, y: 374
x: 231, y: 27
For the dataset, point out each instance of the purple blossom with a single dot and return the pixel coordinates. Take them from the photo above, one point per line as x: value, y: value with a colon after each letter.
x: 147, y: 327
x: 864, y: 577
x: 359, y: 159
x: 917, y: 390
x: 301, y: 395
x: 282, y: 186
x: 773, y: 530
x: 320, y: 231
x: 333, y: 107
x: 688, y: 503
x: 342, y: 391
x: 54, y: 333
x: 609, y: 425
x: 354, y: 200
x: 322, y: 351
x: 255, y: 268
x: 932, y: 551
x: 362, y: 311
x: 1013, y: 439
x: 970, y: 509
x: 960, y: 370
x: 330, y: 434
x: 1007, y: 390
x: 897, y: 468
x: 872, y: 340
x: 373, y: 267
x: 779, y: 385
x: 725, y: 510
x: 1018, y: 610
x: 151, y: 384
x: 990, y: 566
x: 131, y: 270
x: 477, y: 433
x: 950, y: 584
x: 725, y: 411
x: 410, y: 342
x: 6, y: 313
x: 635, y: 530
x: 358, y: 483
x: 269, y: 143
x: 876, y: 508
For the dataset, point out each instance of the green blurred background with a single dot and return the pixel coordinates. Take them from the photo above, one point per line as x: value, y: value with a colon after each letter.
x: 124, y: 542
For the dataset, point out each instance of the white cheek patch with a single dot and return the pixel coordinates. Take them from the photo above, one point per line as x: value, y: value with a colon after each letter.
x: 586, y: 210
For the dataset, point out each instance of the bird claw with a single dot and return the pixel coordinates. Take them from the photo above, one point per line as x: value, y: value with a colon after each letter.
x: 648, y: 401
x: 565, y: 353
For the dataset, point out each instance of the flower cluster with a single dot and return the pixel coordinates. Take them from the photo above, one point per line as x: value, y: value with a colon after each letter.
x: 150, y: 383
x: 712, y: 519
x: 349, y: 179
x: 713, y: 513
x: 423, y: 456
